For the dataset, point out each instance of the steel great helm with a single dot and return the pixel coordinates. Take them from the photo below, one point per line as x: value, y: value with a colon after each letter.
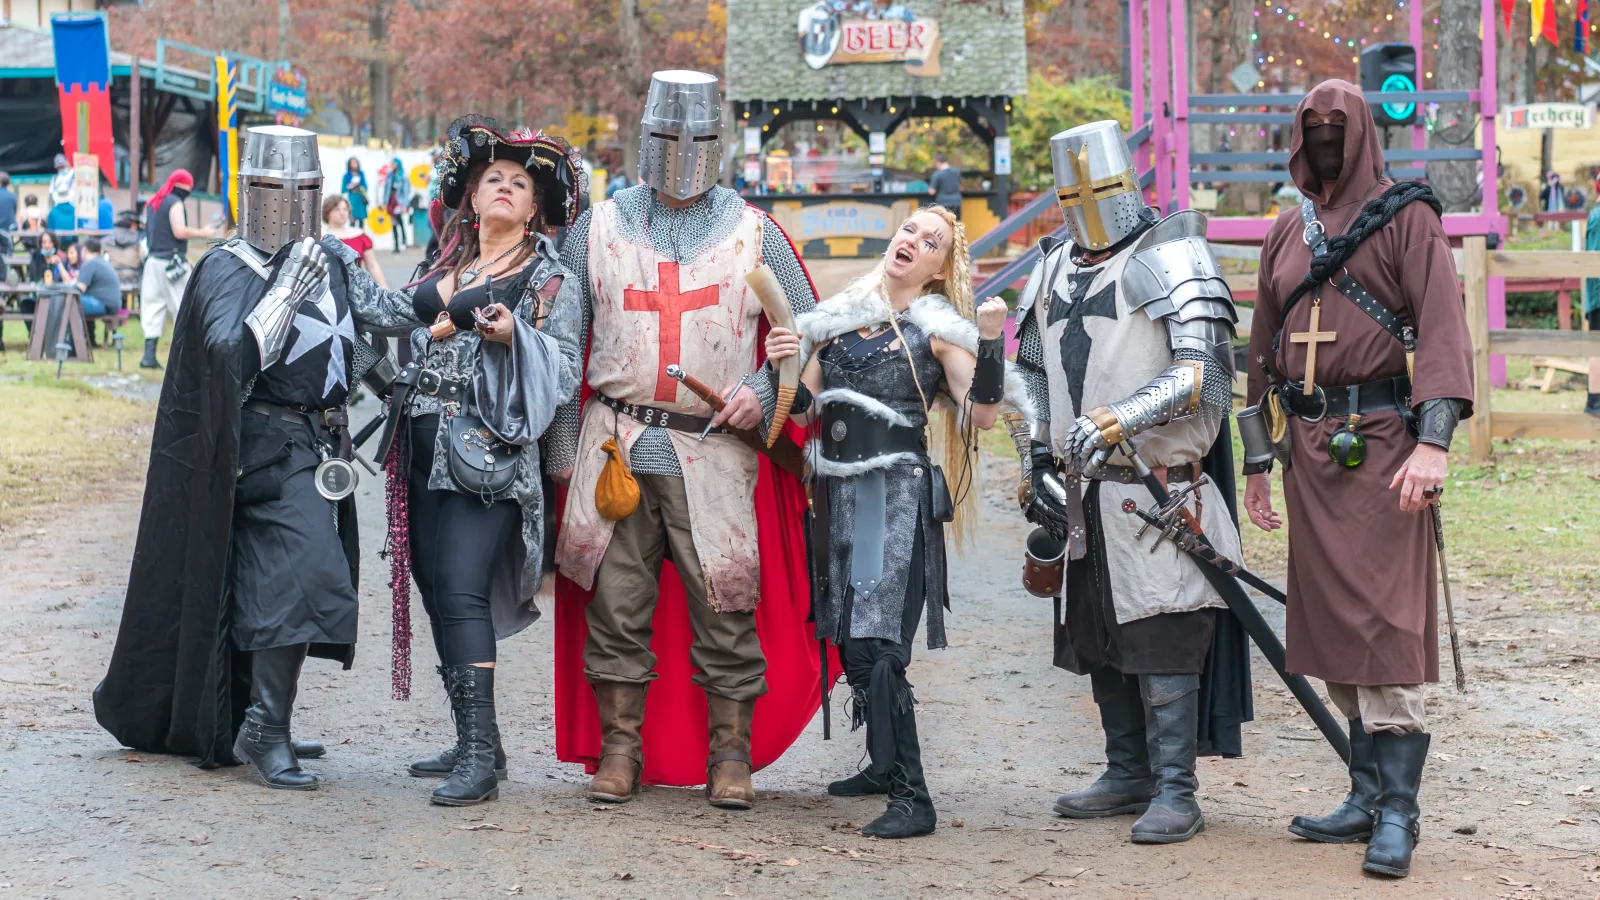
x: 280, y: 187
x: 1096, y: 185
x: 680, y: 135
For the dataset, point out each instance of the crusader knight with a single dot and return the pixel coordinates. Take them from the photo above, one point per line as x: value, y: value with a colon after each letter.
x: 1125, y: 335
x: 246, y: 557
x: 662, y: 267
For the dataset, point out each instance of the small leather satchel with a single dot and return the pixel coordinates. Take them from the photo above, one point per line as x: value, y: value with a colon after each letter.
x: 481, y: 463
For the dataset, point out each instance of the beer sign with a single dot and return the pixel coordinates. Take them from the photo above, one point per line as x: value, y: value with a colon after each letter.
x: 840, y: 32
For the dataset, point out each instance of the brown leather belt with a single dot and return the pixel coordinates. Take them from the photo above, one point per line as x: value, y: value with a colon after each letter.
x: 664, y: 418
x: 1182, y: 472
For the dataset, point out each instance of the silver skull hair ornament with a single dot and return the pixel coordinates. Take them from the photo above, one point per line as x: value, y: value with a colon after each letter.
x: 680, y: 135
x: 280, y: 187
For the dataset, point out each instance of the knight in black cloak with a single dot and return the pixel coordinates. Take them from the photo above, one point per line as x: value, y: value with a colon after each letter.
x: 246, y: 558
x: 1126, y: 333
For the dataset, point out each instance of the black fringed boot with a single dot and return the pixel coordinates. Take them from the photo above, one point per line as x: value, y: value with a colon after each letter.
x: 263, y: 739
x: 443, y: 763
x: 864, y: 783
x: 1125, y: 787
x: 1172, y: 711
x: 473, y: 779
x: 1395, y: 830
x: 1352, y: 821
x: 910, y: 811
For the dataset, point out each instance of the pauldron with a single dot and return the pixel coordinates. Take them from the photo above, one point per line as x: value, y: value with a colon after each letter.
x: 1173, y: 275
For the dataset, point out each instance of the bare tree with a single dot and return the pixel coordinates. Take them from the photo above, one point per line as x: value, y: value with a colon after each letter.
x: 634, y: 78
x: 378, y: 69
x: 1458, y: 66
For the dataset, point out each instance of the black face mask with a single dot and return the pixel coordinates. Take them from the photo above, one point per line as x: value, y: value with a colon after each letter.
x: 180, y: 193
x: 1324, y: 145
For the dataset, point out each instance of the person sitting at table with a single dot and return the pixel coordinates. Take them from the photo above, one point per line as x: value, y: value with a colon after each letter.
x: 71, y: 262
x: 43, y: 263
x: 97, y: 279
x: 32, y: 220
x: 62, y: 217
x: 8, y: 215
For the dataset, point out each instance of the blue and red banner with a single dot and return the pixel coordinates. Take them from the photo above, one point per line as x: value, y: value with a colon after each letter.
x: 228, y: 133
x: 1580, y: 34
x: 83, y: 79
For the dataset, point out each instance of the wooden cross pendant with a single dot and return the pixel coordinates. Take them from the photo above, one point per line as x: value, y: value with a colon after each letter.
x: 1311, y: 339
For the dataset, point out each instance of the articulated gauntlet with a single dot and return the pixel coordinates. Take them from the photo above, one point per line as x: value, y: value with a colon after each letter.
x: 1170, y: 396
x: 299, y: 279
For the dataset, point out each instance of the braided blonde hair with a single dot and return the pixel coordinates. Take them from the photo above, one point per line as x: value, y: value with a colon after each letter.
x: 954, y: 445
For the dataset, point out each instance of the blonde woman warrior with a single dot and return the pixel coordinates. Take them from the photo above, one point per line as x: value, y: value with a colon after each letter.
x: 896, y: 345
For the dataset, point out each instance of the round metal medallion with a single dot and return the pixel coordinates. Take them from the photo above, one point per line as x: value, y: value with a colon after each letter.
x: 839, y: 430
x: 336, y: 479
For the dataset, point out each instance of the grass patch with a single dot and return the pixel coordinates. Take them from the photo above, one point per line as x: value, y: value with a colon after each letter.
x: 14, y: 361
x: 66, y: 443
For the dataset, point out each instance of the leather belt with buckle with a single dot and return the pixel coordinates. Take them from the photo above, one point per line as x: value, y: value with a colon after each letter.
x: 660, y: 418
x: 434, y: 384
x: 1182, y: 472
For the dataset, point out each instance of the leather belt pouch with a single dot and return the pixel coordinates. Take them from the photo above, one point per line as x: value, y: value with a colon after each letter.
x: 480, y: 464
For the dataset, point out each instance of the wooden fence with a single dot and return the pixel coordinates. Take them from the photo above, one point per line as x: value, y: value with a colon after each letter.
x: 1479, y: 264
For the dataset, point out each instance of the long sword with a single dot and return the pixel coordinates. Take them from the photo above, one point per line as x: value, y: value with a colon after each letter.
x: 1449, y: 606
x: 1241, y: 606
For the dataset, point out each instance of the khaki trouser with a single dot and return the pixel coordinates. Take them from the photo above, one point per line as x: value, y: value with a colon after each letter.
x: 726, y: 652
x: 1396, y: 708
x: 159, y: 296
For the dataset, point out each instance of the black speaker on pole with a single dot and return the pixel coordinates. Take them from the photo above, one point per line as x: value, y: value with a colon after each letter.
x: 1390, y: 68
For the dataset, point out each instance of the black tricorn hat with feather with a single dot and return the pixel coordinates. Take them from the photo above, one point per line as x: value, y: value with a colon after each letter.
x: 556, y: 167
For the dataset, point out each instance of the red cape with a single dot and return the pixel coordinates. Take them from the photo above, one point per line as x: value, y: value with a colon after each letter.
x: 675, y: 739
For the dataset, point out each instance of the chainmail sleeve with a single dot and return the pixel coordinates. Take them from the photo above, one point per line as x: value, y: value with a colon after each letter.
x: 1030, y: 348
x: 561, y: 439
x: 1216, y: 384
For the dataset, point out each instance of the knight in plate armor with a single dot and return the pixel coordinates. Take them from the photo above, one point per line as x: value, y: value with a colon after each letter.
x: 1126, y: 334
x: 248, y: 532
x: 895, y: 345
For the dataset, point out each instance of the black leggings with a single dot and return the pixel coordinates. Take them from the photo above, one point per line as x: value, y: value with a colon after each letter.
x: 455, y: 540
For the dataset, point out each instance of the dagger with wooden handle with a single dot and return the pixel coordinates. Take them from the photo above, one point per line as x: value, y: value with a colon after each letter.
x: 785, y: 453
x: 775, y: 303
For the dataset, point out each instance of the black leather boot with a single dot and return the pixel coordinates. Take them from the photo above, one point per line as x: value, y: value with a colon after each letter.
x: 1352, y: 821
x: 263, y: 739
x: 150, y: 361
x: 910, y: 811
x: 1125, y: 787
x: 308, y: 749
x: 861, y: 784
x: 1593, y: 406
x: 1172, y: 711
x: 473, y: 779
x: 1400, y: 759
x: 443, y: 763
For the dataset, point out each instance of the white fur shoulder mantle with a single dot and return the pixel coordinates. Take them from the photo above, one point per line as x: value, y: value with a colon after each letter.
x: 855, y: 308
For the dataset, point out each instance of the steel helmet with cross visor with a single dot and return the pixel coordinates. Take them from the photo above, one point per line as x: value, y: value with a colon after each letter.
x: 1096, y: 184
x: 680, y: 134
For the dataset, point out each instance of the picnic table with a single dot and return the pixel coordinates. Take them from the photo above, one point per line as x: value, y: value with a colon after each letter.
x: 57, y: 316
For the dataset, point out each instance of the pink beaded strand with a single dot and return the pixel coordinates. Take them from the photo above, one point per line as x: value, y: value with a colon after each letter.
x: 398, y: 548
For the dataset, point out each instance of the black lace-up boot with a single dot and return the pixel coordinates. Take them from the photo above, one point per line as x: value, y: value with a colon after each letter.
x: 910, y: 811
x: 473, y: 780
x: 444, y: 762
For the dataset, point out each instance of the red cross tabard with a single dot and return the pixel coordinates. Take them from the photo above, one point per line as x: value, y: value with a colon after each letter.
x: 671, y: 304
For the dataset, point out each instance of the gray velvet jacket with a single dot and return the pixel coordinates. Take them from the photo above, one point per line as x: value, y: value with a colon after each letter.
x: 516, y: 391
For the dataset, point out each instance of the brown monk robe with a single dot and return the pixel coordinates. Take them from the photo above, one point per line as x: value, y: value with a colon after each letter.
x: 1362, y: 609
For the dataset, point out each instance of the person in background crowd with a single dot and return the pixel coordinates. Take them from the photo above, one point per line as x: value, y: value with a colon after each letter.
x: 62, y: 217
x: 71, y: 262
x: 124, y: 248
x: 945, y: 184
x: 63, y: 182
x: 396, y: 201
x: 336, y: 221
x: 102, y: 289
x: 354, y: 188
x: 32, y: 221
x: 1552, y: 197
x: 105, y: 214
x: 45, y: 261
x: 617, y: 183
x: 166, y: 270
x: 1591, y: 297
x: 8, y: 213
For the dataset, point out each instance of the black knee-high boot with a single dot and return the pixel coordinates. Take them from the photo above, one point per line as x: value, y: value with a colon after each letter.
x: 1172, y: 719
x: 1125, y: 787
x: 1352, y: 821
x: 473, y: 779
x: 263, y: 739
x: 910, y: 812
x: 1395, y: 830
x: 443, y: 763
x: 865, y: 783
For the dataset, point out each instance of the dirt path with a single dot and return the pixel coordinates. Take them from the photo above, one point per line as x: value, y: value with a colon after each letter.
x: 81, y: 817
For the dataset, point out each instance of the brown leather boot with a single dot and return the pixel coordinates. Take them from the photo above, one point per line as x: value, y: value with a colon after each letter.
x: 621, y: 747
x: 728, y: 767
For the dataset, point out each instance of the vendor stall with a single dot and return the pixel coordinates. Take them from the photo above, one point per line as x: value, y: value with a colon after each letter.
x: 871, y: 67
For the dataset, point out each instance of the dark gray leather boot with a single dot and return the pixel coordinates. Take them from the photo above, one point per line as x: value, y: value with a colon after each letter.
x: 473, y: 780
x: 308, y: 749
x: 1172, y: 711
x: 910, y: 812
x: 149, y: 361
x: 443, y: 763
x: 1395, y: 830
x: 1352, y: 821
x: 263, y: 739
x: 1125, y: 787
x: 861, y: 784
